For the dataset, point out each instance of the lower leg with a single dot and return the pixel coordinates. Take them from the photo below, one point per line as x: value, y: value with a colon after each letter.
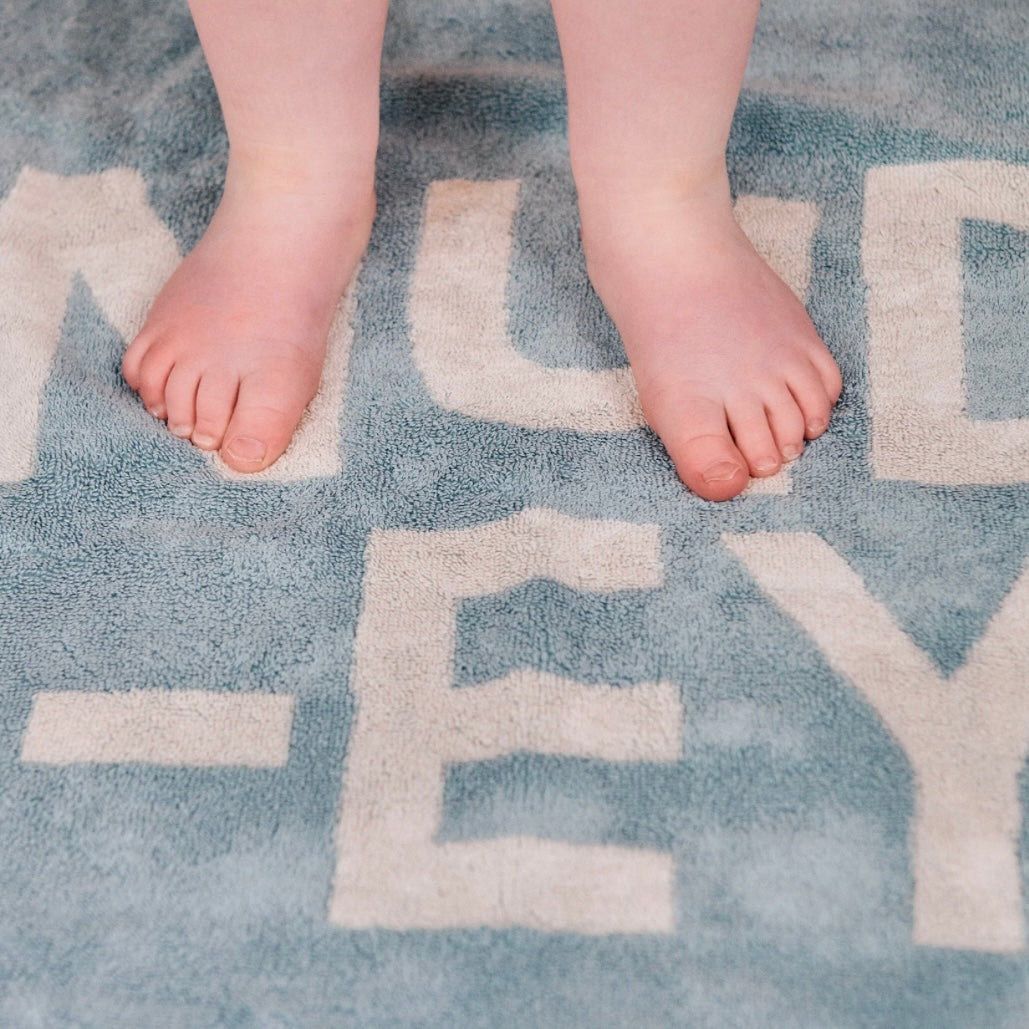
x: 731, y: 373
x: 232, y: 350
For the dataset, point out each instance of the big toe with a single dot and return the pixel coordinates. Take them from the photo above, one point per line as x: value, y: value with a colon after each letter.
x: 702, y: 449
x: 263, y: 422
x: 711, y: 466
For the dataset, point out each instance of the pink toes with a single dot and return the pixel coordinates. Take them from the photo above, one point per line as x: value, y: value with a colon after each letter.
x: 786, y: 421
x: 716, y: 448
x: 180, y: 399
x: 146, y: 368
x: 717, y: 445
x: 215, y: 401
x: 711, y: 466
x: 249, y: 419
x: 696, y: 434
x: 267, y: 412
x: 748, y: 422
x: 812, y: 399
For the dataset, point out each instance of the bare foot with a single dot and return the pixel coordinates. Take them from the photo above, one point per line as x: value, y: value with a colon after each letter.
x: 233, y: 348
x: 731, y: 373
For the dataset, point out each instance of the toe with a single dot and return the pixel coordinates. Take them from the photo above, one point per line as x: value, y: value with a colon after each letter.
x: 216, y: 397
x: 151, y: 379
x: 180, y: 397
x: 268, y: 408
x: 748, y: 422
x: 809, y: 392
x: 696, y: 435
x: 787, y: 423
x: 132, y: 359
x: 137, y: 354
x: 828, y: 372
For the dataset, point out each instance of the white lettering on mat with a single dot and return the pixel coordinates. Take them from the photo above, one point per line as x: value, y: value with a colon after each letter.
x: 459, y: 329
x: 411, y: 723
x: 199, y: 728
x: 51, y: 228
x: 966, y: 736
x: 911, y: 258
x: 459, y: 318
x: 102, y: 227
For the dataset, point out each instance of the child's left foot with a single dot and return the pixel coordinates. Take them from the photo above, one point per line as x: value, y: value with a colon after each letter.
x: 730, y: 371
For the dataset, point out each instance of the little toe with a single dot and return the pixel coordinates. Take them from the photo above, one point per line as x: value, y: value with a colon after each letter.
x: 215, y: 400
x: 180, y: 398
x: 748, y: 422
x: 152, y: 379
x: 130, y: 364
x: 829, y: 372
x: 702, y: 449
x: 268, y: 409
x: 132, y: 359
x: 787, y: 424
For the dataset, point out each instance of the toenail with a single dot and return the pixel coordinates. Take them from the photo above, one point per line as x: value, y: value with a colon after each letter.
x: 815, y: 428
x: 182, y: 431
x: 246, y: 448
x: 767, y: 467
x: 158, y: 411
x: 722, y: 472
x: 205, y: 442
x: 791, y: 452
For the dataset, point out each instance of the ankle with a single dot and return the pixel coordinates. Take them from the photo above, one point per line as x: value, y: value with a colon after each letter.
x: 640, y: 181
x: 651, y: 202
x: 279, y: 171
x: 625, y: 215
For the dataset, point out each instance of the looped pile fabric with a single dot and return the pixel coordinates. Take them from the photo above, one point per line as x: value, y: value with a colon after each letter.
x: 466, y: 712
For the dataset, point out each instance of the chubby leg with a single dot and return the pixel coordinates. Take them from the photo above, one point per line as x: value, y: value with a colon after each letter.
x: 233, y: 348
x: 731, y: 373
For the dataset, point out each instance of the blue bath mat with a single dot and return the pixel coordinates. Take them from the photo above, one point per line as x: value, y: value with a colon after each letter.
x: 467, y: 713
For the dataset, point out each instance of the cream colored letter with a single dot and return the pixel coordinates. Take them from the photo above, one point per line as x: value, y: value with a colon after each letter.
x: 411, y: 723
x: 51, y: 228
x: 459, y: 323
x: 158, y: 727
x: 966, y: 737
x: 911, y: 257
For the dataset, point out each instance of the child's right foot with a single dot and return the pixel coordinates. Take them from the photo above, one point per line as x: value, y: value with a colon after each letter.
x: 233, y: 347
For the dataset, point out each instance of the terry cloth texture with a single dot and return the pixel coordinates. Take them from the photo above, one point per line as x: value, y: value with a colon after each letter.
x: 467, y: 713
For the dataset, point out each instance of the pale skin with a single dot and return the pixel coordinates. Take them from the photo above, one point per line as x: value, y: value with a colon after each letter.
x: 731, y: 373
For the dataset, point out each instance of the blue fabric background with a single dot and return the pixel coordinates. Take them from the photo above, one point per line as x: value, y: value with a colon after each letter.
x: 140, y: 896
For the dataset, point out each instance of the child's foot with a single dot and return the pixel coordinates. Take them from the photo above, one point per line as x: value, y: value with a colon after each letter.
x: 233, y: 348
x: 731, y: 373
